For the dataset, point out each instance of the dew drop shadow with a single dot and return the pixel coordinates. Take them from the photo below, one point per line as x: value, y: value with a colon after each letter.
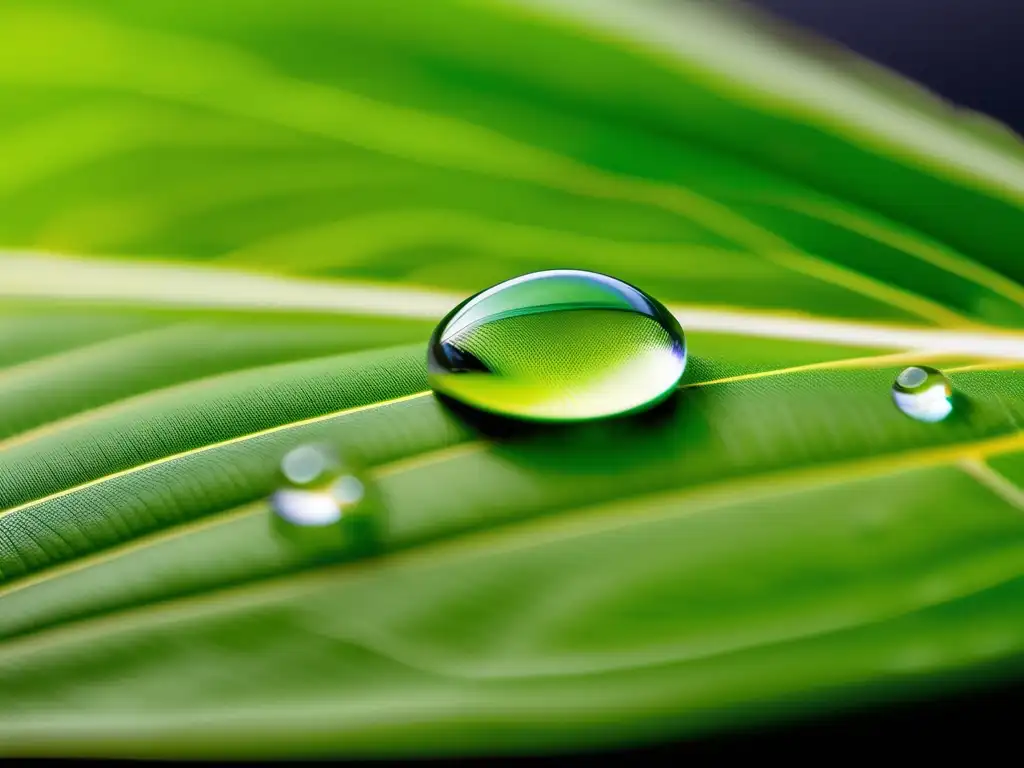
x: 601, y: 446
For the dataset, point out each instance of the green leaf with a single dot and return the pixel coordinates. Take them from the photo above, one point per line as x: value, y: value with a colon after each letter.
x: 229, y: 228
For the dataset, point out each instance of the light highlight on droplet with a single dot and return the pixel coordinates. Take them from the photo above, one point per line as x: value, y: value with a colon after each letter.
x: 306, y: 508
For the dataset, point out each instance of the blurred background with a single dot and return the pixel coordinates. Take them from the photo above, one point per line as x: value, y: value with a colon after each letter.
x: 968, y: 51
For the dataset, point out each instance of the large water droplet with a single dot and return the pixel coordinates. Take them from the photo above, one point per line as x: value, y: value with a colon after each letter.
x: 322, y: 504
x: 923, y: 393
x: 559, y: 345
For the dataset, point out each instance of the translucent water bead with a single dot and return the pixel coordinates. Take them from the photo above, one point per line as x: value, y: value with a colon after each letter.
x: 923, y: 393
x: 558, y: 345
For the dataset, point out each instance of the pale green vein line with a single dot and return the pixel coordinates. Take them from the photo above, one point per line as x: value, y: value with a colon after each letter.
x: 41, y: 275
x: 78, y: 136
x: 115, y: 224
x: 400, y: 466
x: 357, y: 239
x: 70, y: 138
x: 535, y: 532
x: 994, y: 481
x: 829, y: 365
x: 429, y: 458
x: 84, y: 351
x: 754, y: 486
x: 207, y: 522
x: 30, y: 274
x: 726, y: 222
x: 221, y: 78
x: 80, y: 418
x: 913, y: 244
x: 420, y: 461
x: 135, y: 545
x: 212, y: 446
x: 448, y: 453
x: 391, y: 646
x: 982, y: 343
x: 988, y: 365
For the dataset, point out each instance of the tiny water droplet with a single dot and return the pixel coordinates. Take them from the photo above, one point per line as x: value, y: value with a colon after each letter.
x: 923, y: 393
x: 558, y: 345
x: 321, y: 503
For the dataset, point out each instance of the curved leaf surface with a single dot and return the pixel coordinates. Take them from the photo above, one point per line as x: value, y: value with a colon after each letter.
x: 262, y: 210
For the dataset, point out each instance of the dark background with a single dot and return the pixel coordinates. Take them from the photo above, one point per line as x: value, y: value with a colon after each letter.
x: 968, y: 51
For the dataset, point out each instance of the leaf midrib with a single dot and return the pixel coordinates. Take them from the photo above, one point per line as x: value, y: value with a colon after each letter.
x: 27, y: 276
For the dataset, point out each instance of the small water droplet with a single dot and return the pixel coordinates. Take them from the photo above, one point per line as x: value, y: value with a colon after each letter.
x: 923, y: 393
x: 322, y: 504
x: 559, y: 345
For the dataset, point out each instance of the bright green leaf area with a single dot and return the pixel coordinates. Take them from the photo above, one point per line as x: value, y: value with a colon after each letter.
x: 774, y: 539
